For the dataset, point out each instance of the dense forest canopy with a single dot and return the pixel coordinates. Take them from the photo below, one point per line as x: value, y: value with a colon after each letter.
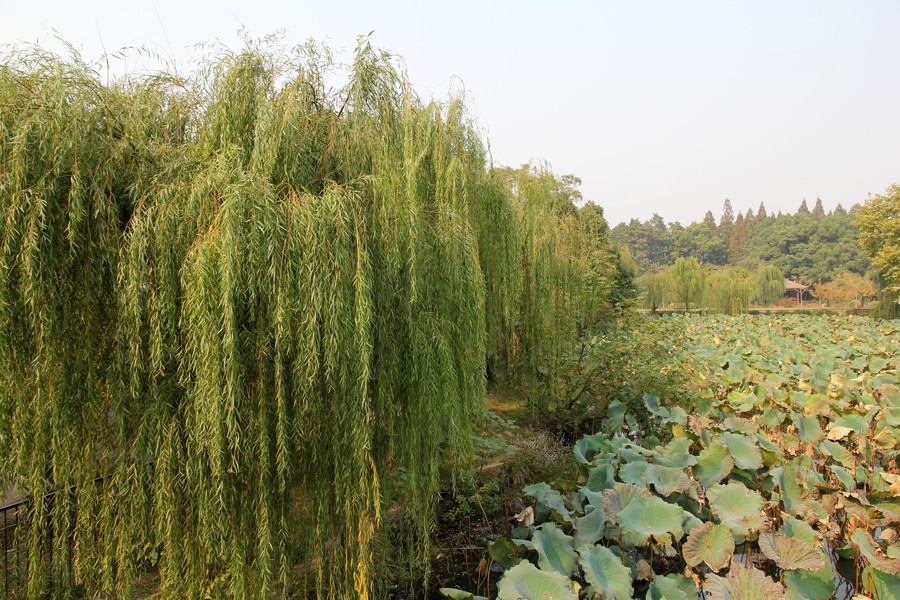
x: 809, y: 246
x: 258, y: 309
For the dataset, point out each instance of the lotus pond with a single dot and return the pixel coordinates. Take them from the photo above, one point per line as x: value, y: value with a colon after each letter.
x: 777, y: 478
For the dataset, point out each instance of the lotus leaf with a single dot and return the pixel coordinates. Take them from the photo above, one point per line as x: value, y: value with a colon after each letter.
x: 712, y: 544
x: 809, y: 428
x: 555, y: 551
x: 789, y: 553
x: 884, y: 586
x: 645, y: 517
x: 552, y: 499
x: 853, y: 421
x: 667, y: 480
x: 672, y: 587
x: 507, y: 552
x: 745, y: 451
x: 456, y: 594
x: 873, y: 553
x: 837, y: 452
x: 844, y: 477
x: 619, y: 496
x: 676, y: 454
x: 714, y: 463
x: 602, y: 477
x: 527, y: 582
x: 605, y: 572
x: 634, y: 472
x: 737, y: 507
x: 589, y: 528
x: 811, y: 585
x: 744, y: 583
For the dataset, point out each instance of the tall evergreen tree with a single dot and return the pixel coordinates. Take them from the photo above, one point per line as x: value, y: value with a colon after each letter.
x: 726, y: 222
x: 710, y: 221
x: 761, y: 213
x: 803, y: 211
x: 839, y: 211
x: 818, y: 210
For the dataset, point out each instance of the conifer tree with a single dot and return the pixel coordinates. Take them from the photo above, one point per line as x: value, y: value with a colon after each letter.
x: 761, y: 214
x: 803, y: 211
x: 710, y: 221
x: 818, y: 210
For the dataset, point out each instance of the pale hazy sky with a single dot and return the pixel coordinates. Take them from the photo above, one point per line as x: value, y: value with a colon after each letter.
x: 659, y: 106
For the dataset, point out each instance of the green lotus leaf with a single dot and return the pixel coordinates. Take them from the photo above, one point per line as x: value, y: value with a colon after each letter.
x: 884, y: 585
x: 527, y: 582
x: 769, y: 446
x: 712, y: 544
x: 771, y: 417
x: 792, y: 494
x: 891, y: 415
x: 543, y: 493
x: 602, y: 477
x: 605, y: 572
x: 619, y: 496
x: 634, y: 472
x: 873, y: 553
x: 890, y: 508
x: 672, y: 587
x: 456, y: 594
x: 587, y: 446
x: 745, y: 451
x: 837, y: 452
x: 737, y: 507
x: 877, y: 364
x: 689, y: 522
x: 676, y: 454
x: 855, y: 422
x: 589, y: 528
x: 790, y: 554
x: 811, y: 585
x: 645, y: 517
x: 506, y: 552
x: 844, y: 477
x: 809, y: 428
x: 555, y: 551
x: 800, y: 530
x: 714, y: 463
x: 667, y: 480
x: 615, y: 416
x: 743, y: 583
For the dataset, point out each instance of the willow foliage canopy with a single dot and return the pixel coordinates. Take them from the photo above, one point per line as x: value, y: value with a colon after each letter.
x: 240, y: 313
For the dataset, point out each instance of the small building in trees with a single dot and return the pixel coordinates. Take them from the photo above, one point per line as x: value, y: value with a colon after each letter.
x: 796, y: 291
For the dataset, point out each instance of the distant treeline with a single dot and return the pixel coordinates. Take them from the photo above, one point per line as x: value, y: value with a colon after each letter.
x: 810, y: 246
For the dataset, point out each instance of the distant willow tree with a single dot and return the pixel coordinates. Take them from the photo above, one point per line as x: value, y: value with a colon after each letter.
x: 728, y: 291
x: 687, y: 281
x: 259, y: 309
x: 769, y: 284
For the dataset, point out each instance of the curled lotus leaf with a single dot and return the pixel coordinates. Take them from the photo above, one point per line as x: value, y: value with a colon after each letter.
x: 744, y: 450
x: 618, y: 497
x: 712, y: 544
x: 605, y: 572
x: 744, y: 583
x: 809, y: 428
x: 525, y: 581
x: 873, y: 553
x: 542, y: 492
x: 790, y: 553
x: 737, y: 507
x: 714, y: 463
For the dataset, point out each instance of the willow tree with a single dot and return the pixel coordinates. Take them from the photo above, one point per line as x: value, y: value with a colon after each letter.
x: 240, y: 314
x: 687, y: 279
